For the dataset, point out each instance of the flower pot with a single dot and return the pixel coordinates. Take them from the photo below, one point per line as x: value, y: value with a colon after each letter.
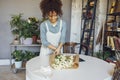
x: 27, y: 41
x: 16, y: 42
x: 18, y: 64
x: 38, y: 41
x: 34, y: 39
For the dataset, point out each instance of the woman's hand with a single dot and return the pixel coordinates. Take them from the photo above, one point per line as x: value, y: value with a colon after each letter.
x: 57, y: 51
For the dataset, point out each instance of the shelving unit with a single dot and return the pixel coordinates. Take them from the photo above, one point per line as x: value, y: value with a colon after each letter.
x: 15, y: 47
x: 88, y: 26
x: 112, y: 28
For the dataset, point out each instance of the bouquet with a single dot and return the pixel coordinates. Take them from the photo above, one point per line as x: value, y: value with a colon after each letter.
x: 63, y: 61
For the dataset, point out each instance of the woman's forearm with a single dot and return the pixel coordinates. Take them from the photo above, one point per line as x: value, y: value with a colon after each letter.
x: 60, y: 45
x: 52, y: 47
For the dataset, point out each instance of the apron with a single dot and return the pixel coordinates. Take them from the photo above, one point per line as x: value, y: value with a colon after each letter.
x: 52, y: 38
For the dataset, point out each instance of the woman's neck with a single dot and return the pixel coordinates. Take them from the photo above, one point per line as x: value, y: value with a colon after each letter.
x: 53, y: 21
x: 54, y: 24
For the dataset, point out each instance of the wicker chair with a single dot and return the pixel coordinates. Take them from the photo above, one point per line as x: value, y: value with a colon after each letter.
x: 69, y: 47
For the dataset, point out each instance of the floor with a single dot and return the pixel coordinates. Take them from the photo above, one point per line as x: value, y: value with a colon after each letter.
x: 7, y: 74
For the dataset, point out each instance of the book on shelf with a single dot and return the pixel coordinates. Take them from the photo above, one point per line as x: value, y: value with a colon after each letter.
x: 112, y: 9
x: 118, y: 29
x: 113, y: 42
x: 115, y: 6
x: 110, y: 42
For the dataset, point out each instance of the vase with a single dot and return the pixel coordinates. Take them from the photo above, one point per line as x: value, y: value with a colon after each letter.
x: 18, y: 64
x: 27, y: 41
x: 34, y: 39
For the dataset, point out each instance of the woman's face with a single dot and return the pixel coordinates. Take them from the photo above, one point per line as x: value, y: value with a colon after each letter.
x: 52, y: 16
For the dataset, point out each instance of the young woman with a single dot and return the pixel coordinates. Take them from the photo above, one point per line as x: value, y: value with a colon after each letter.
x: 52, y: 30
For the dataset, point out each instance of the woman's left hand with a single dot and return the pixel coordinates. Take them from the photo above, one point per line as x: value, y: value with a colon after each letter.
x: 57, y: 51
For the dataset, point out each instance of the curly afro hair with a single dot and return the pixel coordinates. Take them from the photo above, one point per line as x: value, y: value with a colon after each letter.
x: 51, y: 5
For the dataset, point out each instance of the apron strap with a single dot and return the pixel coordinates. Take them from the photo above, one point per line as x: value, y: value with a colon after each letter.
x: 60, y: 25
x: 47, y: 26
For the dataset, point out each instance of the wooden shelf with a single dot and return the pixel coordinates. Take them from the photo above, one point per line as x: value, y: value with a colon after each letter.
x: 114, y: 14
x: 15, y: 47
x: 113, y: 31
x: 25, y: 44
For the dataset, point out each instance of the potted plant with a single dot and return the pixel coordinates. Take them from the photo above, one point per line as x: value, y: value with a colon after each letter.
x: 28, y: 55
x: 30, y: 31
x: 34, y: 23
x: 16, y: 25
x: 21, y: 27
x: 18, y: 56
x: 26, y: 33
x: 26, y: 29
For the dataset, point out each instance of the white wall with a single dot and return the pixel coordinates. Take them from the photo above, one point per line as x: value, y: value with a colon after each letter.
x: 100, y: 20
x: 76, y: 13
x: 28, y: 8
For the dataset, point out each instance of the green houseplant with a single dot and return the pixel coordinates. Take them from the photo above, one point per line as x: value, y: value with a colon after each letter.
x: 28, y: 55
x: 34, y: 27
x: 18, y: 56
x: 30, y: 30
x: 102, y: 55
x: 20, y: 27
x: 16, y: 26
x: 25, y: 29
